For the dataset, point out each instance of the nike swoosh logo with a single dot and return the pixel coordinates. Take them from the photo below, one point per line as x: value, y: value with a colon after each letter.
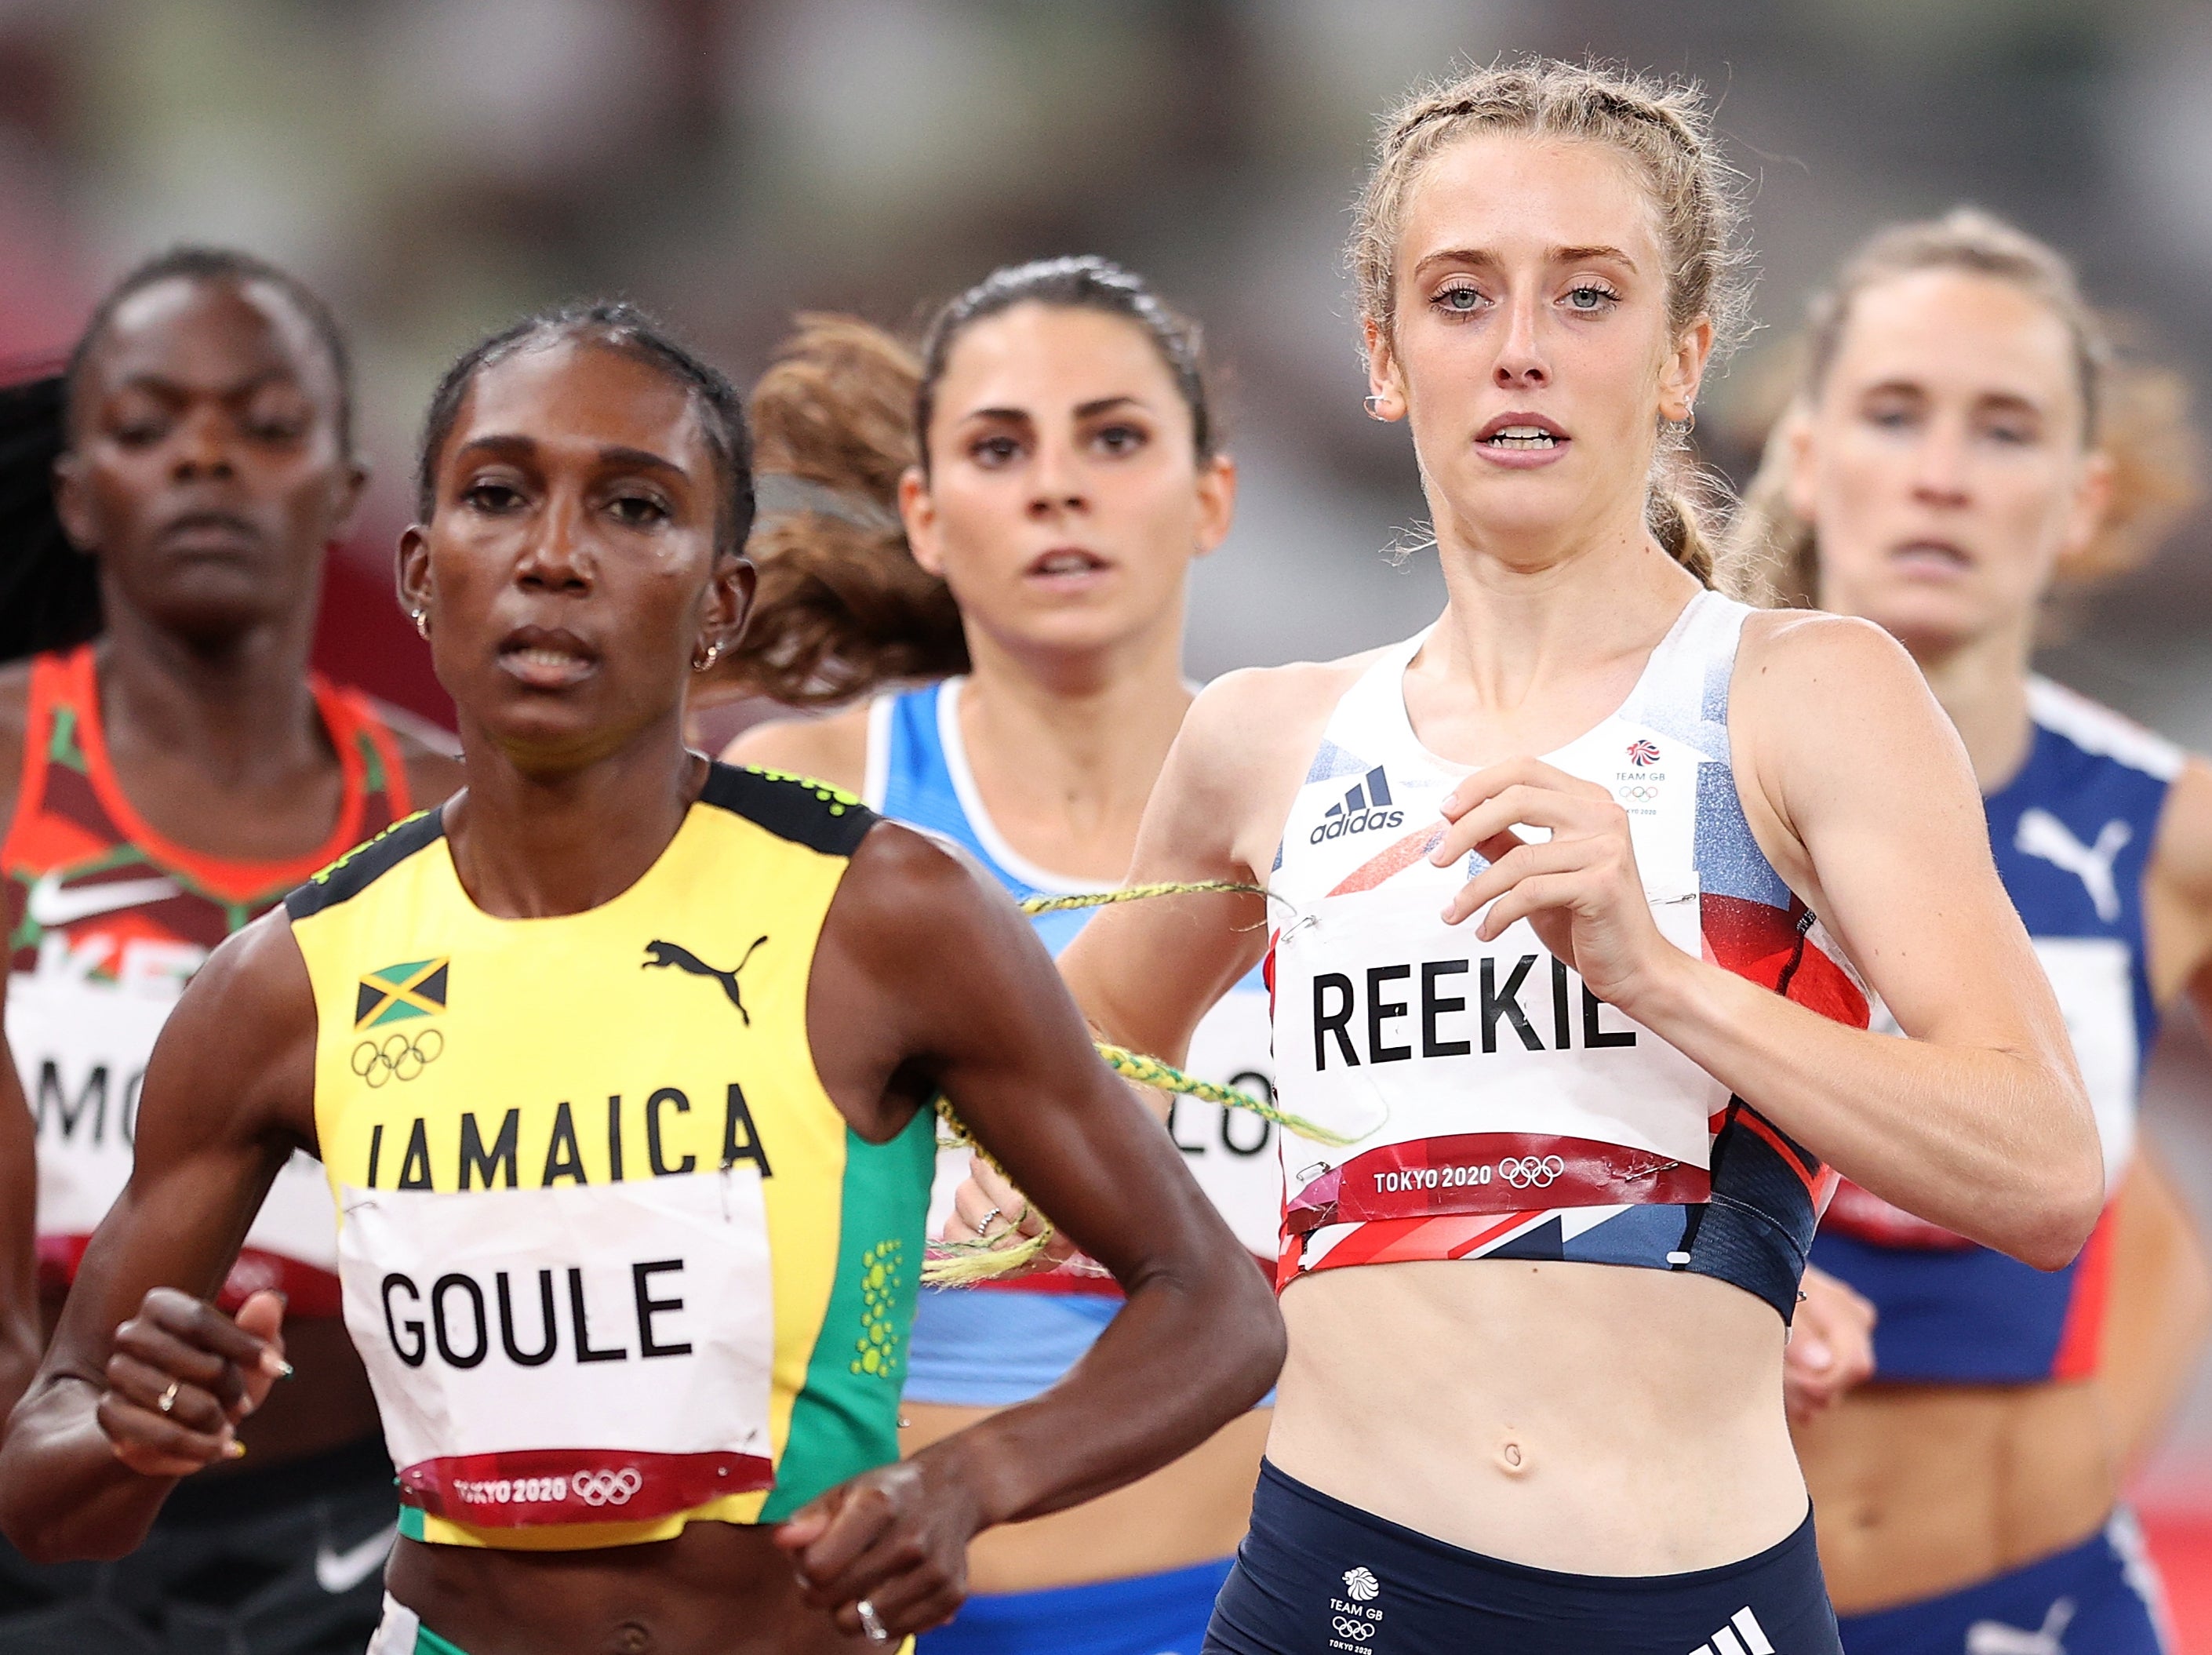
x: 342, y: 1571
x: 52, y: 905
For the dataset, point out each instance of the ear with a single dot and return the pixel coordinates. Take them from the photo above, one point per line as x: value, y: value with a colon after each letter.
x: 1386, y: 394
x: 72, y: 505
x: 918, y: 511
x: 1216, y: 502
x: 413, y: 569
x: 729, y: 603
x: 2091, y: 505
x: 1684, y: 370
x: 1796, y: 439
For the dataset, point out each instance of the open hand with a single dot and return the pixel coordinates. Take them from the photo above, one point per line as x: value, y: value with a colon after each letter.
x: 987, y: 1207
x: 181, y: 1376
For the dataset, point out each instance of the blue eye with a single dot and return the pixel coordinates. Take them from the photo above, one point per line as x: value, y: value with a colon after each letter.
x: 1460, y: 300
x: 1588, y: 298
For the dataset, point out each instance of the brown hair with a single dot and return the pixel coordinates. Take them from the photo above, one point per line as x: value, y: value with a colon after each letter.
x: 843, y: 607
x: 1664, y: 128
x: 2136, y: 413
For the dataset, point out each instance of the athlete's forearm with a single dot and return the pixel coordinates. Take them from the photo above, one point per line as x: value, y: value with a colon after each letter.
x: 63, y: 1495
x: 1998, y: 1146
x: 1177, y: 1364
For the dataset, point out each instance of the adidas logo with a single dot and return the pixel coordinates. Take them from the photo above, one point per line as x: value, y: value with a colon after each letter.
x: 1366, y: 804
x: 1742, y: 1636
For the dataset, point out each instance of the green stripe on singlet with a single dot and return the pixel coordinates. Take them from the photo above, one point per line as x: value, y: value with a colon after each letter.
x: 428, y: 1642
x: 846, y: 1420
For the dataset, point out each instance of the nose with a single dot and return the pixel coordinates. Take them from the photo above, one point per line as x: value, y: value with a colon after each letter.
x: 203, y: 449
x: 1521, y: 365
x: 1939, y: 465
x: 556, y: 554
x: 1056, y: 483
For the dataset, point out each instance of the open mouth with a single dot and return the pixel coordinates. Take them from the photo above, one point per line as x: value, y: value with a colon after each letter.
x: 1522, y: 434
x: 1937, y: 557
x: 547, y: 658
x: 1064, y: 564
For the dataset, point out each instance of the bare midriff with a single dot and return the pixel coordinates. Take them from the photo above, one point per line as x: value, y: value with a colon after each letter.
x: 1923, y: 1489
x: 1584, y: 1418
x: 1185, y: 1513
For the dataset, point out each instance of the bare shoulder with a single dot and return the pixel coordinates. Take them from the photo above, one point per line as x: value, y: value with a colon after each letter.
x: 1258, y: 715
x: 910, y: 893
x: 1796, y: 651
x: 833, y: 748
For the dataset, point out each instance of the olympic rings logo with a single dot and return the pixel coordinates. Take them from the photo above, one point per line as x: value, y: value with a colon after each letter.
x: 398, y: 1058
x: 1533, y: 1173
x: 606, y: 1487
x: 1638, y: 792
x: 1358, y: 1631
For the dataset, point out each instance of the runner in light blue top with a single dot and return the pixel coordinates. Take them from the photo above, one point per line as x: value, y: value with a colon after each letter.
x: 1069, y: 473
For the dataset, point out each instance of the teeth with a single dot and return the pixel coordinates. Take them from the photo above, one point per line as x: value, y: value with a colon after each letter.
x: 1067, y: 564
x: 538, y: 655
x: 1522, y: 437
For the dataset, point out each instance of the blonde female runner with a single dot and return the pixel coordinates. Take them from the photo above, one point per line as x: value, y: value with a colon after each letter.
x: 1581, y: 1040
x: 1962, y: 439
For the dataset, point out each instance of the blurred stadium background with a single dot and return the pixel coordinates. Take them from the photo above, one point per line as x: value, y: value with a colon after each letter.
x: 435, y: 166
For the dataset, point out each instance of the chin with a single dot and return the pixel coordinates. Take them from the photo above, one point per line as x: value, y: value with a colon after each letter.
x: 1930, y: 623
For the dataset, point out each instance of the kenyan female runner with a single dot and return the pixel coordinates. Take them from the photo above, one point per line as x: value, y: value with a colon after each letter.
x: 622, y: 1065
x: 169, y: 767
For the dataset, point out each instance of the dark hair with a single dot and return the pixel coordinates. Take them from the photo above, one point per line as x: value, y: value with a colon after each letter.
x: 1085, y: 284
x: 200, y: 263
x: 843, y: 607
x: 49, y: 590
x: 621, y: 328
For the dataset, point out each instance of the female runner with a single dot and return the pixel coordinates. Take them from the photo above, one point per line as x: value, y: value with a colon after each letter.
x: 1064, y: 472
x: 1532, y: 1058
x: 162, y: 785
x: 629, y: 1237
x: 1963, y: 439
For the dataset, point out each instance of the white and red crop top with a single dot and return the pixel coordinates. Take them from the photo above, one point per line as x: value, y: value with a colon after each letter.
x: 1497, y: 1109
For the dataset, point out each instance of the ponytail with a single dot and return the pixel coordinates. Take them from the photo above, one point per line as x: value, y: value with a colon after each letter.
x: 49, y: 590
x: 842, y: 608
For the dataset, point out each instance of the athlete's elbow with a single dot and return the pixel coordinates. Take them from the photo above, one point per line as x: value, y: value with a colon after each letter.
x: 2060, y: 1213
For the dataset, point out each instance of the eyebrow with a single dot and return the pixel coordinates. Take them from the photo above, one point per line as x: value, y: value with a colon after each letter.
x: 2019, y: 399
x: 1556, y: 256
x: 517, y: 447
x: 1083, y: 411
x: 168, y: 384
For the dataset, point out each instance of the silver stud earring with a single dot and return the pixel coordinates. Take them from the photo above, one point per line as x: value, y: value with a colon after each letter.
x: 421, y: 616
x: 1373, y: 403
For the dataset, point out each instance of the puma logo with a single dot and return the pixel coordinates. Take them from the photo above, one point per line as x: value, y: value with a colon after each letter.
x: 671, y: 954
x: 1996, y: 1638
x: 2041, y: 834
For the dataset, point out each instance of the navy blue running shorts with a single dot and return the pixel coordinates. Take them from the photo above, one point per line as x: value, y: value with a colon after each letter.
x: 1317, y: 1577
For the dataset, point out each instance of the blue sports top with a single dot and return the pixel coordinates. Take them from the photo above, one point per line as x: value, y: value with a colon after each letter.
x: 2073, y: 834
x: 1005, y: 1342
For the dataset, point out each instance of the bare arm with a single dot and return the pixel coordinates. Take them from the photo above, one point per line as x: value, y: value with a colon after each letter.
x: 90, y: 1455
x: 962, y: 996
x: 1859, y: 793
x: 2159, y: 1311
x: 19, y: 1170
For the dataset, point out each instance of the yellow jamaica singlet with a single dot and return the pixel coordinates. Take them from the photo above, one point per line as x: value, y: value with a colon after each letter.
x: 613, y: 1259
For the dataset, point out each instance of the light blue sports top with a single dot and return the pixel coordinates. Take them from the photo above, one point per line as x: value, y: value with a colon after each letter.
x: 996, y: 1345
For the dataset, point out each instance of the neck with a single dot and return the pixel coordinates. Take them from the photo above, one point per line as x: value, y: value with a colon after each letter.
x: 1982, y: 682
x: 529, y: 841
x: 1512, y: 627
x: 238, y: 708
x: 1087, y: 731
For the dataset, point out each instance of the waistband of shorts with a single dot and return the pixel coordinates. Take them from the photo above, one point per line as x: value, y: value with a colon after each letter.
x: 1283, y: 1485
x: 256, y: 1490
x: 2054, y: 1573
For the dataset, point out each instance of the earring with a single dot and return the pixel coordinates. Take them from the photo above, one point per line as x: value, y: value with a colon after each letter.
x: 713, y: 653
x: 421, y: 616
x: 1373, y: 403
